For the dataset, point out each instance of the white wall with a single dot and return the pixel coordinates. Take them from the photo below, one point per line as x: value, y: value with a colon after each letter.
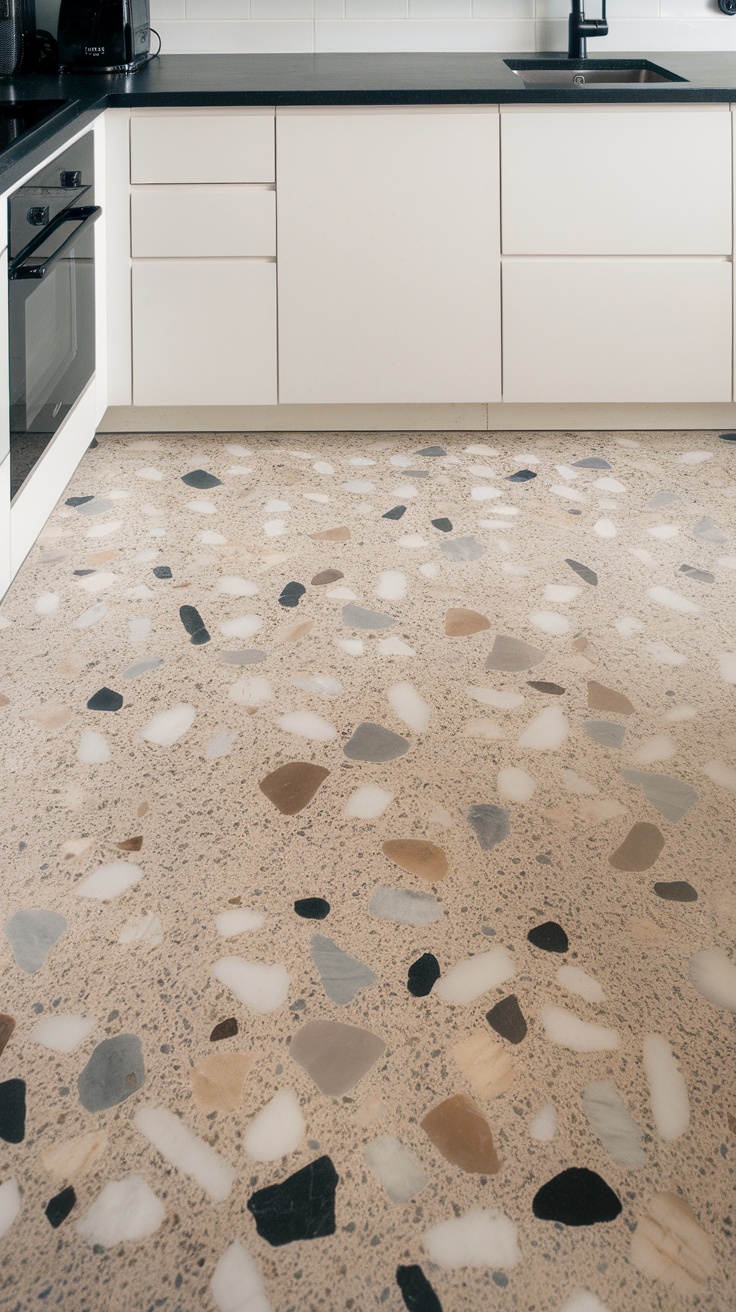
x: 196, y: 26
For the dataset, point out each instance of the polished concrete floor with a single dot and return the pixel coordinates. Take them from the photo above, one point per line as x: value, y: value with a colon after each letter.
x: 367, y: 818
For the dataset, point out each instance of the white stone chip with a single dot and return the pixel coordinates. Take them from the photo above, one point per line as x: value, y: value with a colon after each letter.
x: 185, y: 1151
x: 368, y: 802
x: 515, y: 785
x: 252, y: 692
x: 261, y: 987
x: 469, y: 979
x: 391, y: 585
x: 673, y: 600
x: 395, y: 647
x: 658, y: 748
x: 241, y: 920
x: 577, y: 980
x: 550, y: 622
x: 125, y: 1211
x: 10, y: 1204
x: 93, y: 748
x: 168, y: 727
x: 501, y: 701
x: 231, y: 585
x: 307, y: 724
x: 543, y: 1126
x: 62, y: 1033
x: 727, y: 666
x: 143, y: 929
x: 277, y: 1130
x: 713, y: 974
x: 110, y: 881
x: 93, y: 616
x: 399, y: 1171
x: 584, y: 1302
x: 547, y: 731
x: 409, y: 706
x: 663, y: 654
x: 47, y: 603
x: 664, y: 532
x: 243, y: 626
x: 561, y: 592
x: 202, y: 507
x: 722, y: 774
x: 605, y: 528
x: 568, y: 1031
x: 667, y: 1088
x: 480, y: 1238
x: 236, y: 1284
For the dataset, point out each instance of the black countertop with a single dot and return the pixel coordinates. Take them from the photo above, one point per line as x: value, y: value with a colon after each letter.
x: 337, y: 79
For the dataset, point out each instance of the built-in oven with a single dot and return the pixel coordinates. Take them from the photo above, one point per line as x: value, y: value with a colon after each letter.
x: 51, y: 255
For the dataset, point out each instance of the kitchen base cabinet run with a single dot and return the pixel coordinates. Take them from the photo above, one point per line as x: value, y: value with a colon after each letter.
x: 617, y: 330
x: 4, y: 526
x: 204, y: 332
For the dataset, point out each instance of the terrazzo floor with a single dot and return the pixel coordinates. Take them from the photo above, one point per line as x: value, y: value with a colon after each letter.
x: 368, y: 813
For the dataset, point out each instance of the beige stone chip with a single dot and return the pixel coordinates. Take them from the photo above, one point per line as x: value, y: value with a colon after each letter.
x: 640, y: 848
x: 53, y: 717
x: 461, y: 623
x: 295, y: 632
x: 218, y: 1081
x: 486, y: 1065
x: 462, y: 1134
x: 418, y: 857
x: 601, y: 698
x: 72, y: 1159
x: 291, y: 787
x: 341, y: 534
x: 669, y: 1244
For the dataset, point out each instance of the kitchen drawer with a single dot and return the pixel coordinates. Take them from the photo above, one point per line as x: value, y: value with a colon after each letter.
x: 204, y: 332
x: 616, y: 182
x: 598, y: 330
x: 188, y: 222
x: 192, y: 148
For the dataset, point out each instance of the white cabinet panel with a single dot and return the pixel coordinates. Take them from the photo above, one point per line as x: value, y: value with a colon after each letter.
x: 185, y: 147
x: 617, y: 330
x: 388, y: 257
x: 4, y: 525
x: 204, y: 332
x: 623, y: 182
x: 203, y: 221
x: 4, y: 364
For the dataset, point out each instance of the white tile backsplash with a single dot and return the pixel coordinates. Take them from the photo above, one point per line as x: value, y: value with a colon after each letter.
x: 246, y: 26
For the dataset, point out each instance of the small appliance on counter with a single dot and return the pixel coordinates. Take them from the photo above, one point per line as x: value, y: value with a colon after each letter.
x: 103, y: 36
x: 17, y: 36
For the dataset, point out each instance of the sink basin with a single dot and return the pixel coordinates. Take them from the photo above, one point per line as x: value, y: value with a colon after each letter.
x: 574, y: 73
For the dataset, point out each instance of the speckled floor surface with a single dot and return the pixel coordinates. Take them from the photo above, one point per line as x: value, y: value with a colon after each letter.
x: 471, y: 707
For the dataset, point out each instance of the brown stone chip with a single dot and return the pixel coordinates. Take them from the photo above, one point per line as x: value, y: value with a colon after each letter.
x: 486, y: 1065
x: 71, y: 1160
x: 327, y: 576
x: 669, y: 1244
x: 4, y: 701
x: 7, y: 1025
x: 103, y: 557
x: 131, y: 844
x: 292, y: 786
x: 460, y: 623
x: 731, y: 1122
x: 640, y: 848
x: 218, y: 1081
x: 143, y: 809
x: 336, y: 1056
x: 419, y: 857
x: 341, y: 534
x: 462, y: 1134
x: 601, y: 698
x: 295, y: 632
x: 539, y: 685
x: 225, y: 1029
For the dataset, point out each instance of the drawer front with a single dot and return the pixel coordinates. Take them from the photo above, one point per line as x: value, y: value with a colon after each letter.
x: 616, y: 183
x: 188, y: 222
x: 616, y: 330
x: 204, y: 332
x: 191, y: 148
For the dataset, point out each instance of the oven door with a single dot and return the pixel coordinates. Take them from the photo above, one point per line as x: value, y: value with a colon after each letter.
x: 52, y: 334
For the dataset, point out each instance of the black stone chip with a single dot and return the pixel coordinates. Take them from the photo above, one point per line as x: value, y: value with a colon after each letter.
x: 521, y: 476
x: 225, y: 1029
x: 105, y: 700
x: 724, y: 437
x: 423, y: 975
x: 396, y: 513
x: 416, y: 1291
x: 507, y: 1019
x: 194, y: 625
x: 162, y: 572
x: 539, y: 685
x: 550, y: 937
x: 444, y: 526
x: 678, y: 890
x: 292, y: 595
x: 301, y: 1207
x: 13, y: 1111
x: 77, y: 501
x: 200, y: 479
x: 583, y: 572
x: 312, y: 908
x: 60, y: 1206
x: 577, y: 1196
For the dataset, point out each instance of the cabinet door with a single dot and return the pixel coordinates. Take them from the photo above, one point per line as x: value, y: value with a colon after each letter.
x: 204, y: 332
x: 617, y: 181
x: 192, y: 222
x: 388, y: 256
x: 190, y: 147
x: 617, y: 330
x: 4, y: 525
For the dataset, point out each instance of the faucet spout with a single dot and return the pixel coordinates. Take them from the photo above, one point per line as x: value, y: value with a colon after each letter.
x: 580, y: 28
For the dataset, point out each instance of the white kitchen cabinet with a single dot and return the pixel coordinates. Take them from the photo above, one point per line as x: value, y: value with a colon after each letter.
x: 388, y: 255
x: 616, y: 180
x: 4, y: 362
x: 187, y: 222
x: 201, y: 146
x: 4, y: 526
x: 204, y: 332
x: 611, y: 330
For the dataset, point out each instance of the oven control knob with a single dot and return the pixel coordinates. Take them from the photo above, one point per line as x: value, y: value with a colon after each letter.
x: 38, y: 215
x: 71, y: 178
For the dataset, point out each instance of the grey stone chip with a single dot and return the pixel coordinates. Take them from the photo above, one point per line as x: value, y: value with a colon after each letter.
x: 671, y: 797
x: 31, y: 935
x: 513, y: 655
x: 490, y: 823
x: 357, y: 617
x: 342, y: 976
x: 371, y: 742
x: 605, y: 732
x: 404, y: 906
x: 463, y: 550
x: 114, y: 1072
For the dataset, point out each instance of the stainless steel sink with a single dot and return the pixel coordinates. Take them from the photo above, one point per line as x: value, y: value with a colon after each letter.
x: 574, y: 73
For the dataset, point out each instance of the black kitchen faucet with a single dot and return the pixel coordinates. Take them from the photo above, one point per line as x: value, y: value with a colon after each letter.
x: 580, y: 28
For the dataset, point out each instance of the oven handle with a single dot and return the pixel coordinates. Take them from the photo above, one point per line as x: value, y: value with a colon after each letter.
x: 84, y: 215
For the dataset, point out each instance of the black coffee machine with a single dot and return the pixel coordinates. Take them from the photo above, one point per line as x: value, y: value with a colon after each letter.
x: 104, y: 36
x: 17, y: 36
